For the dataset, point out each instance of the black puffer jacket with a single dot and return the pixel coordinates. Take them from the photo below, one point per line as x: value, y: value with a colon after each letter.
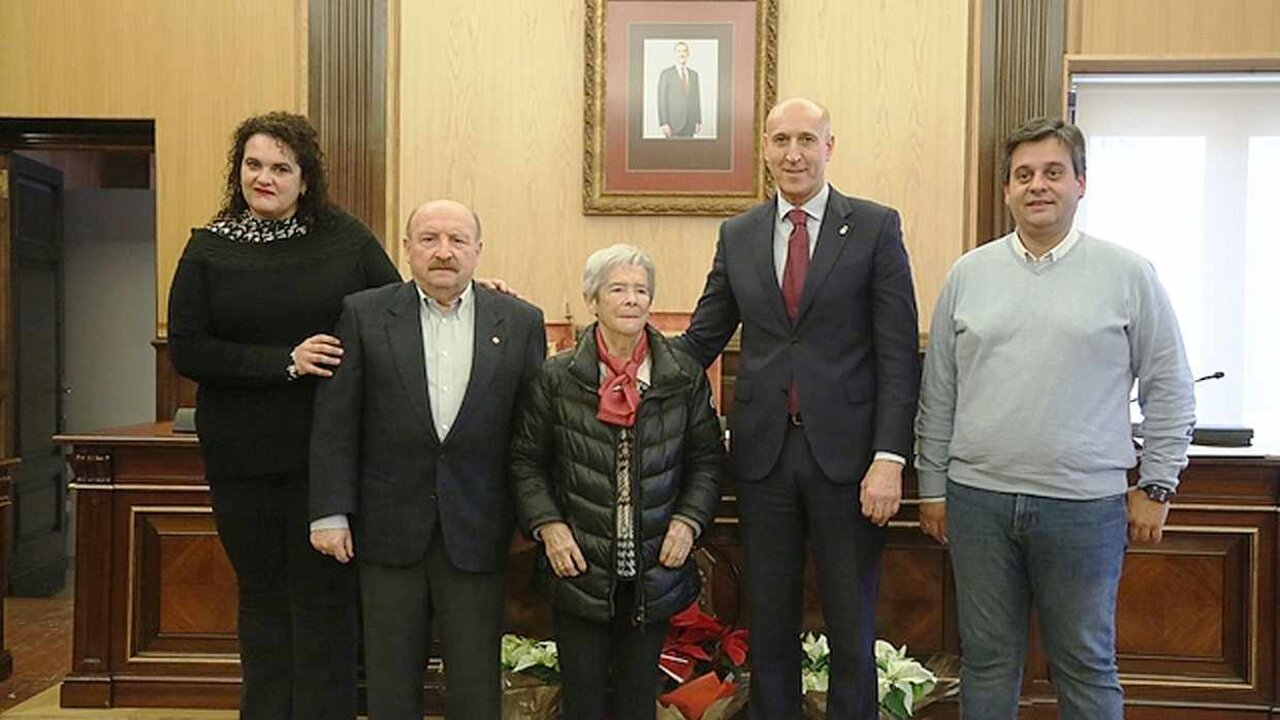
x: 563, y: 470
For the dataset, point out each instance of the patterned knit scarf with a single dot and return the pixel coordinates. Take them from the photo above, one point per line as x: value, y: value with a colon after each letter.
x: 619, y: 396
x: 245, y: 228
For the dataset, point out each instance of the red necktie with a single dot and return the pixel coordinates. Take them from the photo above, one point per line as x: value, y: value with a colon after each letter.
x: 793, y: 281
x: 797, y: 262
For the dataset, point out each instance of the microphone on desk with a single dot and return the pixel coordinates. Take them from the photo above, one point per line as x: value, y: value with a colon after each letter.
x: 1211, y: 376
x: 1217, y: 435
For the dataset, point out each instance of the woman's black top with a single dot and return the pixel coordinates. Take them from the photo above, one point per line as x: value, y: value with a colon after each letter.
x: 236, y: 311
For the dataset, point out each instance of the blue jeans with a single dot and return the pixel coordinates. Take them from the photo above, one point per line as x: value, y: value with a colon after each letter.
x: 1064, y: 556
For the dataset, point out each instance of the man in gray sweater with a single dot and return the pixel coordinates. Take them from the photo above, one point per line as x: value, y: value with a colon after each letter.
x: 1024, y: 437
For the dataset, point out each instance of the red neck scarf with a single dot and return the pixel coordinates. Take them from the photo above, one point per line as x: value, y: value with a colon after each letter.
x: 619, y: 396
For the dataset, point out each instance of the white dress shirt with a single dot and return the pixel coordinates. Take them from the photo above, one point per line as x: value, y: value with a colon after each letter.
x: 448, y: 344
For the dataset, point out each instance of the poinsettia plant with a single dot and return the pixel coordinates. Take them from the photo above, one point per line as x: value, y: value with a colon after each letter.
x: 536, y: 658
x: 530, y: 679
x: 903, y: 684
x: 704, y: 661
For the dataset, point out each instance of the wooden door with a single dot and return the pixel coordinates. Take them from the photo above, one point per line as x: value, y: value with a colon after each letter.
x: 34, y: 392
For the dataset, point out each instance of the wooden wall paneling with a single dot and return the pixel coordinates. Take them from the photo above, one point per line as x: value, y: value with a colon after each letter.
x: 1175, y: 27
x: 980, y: 153
x: 347, y: 102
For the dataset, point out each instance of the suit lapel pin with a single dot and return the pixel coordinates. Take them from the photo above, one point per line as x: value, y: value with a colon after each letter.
x: 844, y: 230
x: 496, y: 340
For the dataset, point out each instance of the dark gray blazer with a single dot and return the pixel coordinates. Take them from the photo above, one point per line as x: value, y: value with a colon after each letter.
x: 374, y: 450
x: 854, y: 353
x: 680, y: 109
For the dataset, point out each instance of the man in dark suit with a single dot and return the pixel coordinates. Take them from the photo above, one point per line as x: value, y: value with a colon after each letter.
x: 823, y: 408
x: 409, y: 449
x: 679, y: 97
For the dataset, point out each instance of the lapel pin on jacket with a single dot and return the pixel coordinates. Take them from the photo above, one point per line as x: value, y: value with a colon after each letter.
x: 844, y: 230
x: 496, y: 340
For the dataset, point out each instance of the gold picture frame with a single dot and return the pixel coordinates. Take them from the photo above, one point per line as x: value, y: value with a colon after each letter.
x: 724, y: 53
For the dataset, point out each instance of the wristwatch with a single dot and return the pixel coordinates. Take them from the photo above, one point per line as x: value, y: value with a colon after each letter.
x: 1159, y: 493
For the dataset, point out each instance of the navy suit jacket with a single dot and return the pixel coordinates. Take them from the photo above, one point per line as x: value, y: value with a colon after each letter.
x: 853, y: 353
x: 375, y: 454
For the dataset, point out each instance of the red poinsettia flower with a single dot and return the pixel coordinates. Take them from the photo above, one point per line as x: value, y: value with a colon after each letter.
x: 698, y: 643
x: 734, y: 644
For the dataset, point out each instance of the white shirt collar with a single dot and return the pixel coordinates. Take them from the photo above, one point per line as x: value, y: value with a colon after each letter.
x: 1058, y: 251
x: 464, y: 298
x: 814, y: 206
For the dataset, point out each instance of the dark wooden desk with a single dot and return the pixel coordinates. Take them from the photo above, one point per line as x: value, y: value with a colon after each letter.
x: 155, y: 600
x: 155, y: 597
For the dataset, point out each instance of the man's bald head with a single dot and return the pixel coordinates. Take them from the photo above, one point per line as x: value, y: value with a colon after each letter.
x: 812, y: 108
x: 441, y: 204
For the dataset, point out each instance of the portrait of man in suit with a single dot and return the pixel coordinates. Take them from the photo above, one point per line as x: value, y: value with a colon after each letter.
x: 409, y: 464
x: 679, y: 97
x: 821, y: 425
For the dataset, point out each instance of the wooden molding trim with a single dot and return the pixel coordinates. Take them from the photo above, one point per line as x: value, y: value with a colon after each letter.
x: 347, y: 102
x: 1018, y: 76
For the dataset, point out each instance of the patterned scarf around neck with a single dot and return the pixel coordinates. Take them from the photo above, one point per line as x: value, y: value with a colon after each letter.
x: 245, y: 228
x: 619, y: 396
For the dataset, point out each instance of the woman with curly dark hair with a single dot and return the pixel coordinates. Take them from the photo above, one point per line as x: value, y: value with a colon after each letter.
x: 253, y: 302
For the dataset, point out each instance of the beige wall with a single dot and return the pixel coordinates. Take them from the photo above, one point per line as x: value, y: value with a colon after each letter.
x: 196, y: 68
x: 491, y: 95
x: 1174, y: 27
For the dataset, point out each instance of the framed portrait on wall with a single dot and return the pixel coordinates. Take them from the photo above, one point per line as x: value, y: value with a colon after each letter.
x: 676, y: 94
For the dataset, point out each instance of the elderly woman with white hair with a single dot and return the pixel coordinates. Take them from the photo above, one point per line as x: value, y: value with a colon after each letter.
x: 617, y: 459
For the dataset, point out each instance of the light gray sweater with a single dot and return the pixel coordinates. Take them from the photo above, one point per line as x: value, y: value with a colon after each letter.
x: 1029, y: 368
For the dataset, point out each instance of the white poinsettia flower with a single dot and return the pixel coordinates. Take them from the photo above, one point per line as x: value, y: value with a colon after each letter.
x: 886, y: 652
x: 814, y: 680
x: 520, y: 653
x: 897, y: 674
x: 815, y: 646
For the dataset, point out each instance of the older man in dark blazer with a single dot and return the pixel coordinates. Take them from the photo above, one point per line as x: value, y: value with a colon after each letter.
x: 823, y: 408
x: 409, y: 449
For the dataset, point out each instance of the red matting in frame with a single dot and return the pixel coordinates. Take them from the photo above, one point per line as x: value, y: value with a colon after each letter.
x: 742, y: 171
